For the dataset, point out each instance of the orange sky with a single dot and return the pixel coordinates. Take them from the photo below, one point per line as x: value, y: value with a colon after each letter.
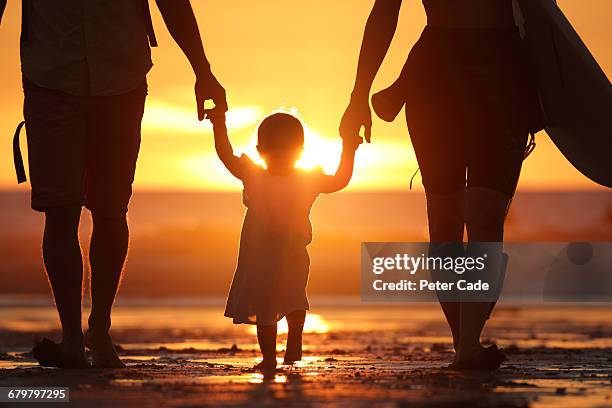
x: 270, y: 54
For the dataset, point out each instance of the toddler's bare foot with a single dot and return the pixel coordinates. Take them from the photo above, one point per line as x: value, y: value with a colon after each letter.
x: 266, y: 365
x: 293, y: 353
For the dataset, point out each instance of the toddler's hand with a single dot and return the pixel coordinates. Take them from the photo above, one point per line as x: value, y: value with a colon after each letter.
x: 352, y: 141
x: 216, y: 116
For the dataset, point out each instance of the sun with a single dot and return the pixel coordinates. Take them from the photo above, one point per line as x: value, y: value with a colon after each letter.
x: 320, y: 152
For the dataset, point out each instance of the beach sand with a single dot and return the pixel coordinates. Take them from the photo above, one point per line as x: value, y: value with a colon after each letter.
x: 558, y: 356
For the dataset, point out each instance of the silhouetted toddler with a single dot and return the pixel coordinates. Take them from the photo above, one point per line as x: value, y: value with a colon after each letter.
x: 273, y: 262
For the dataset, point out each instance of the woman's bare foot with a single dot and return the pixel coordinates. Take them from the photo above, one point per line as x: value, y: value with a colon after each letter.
x: 103, y: 350
x: 266, y: 365
x: 483, y: 358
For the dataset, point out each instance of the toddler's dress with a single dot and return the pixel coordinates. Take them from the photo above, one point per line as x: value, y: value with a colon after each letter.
x: 273, y: 262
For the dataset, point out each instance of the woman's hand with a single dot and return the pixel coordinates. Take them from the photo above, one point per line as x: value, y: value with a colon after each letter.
x: 356, y: 116
x: 377, y: 37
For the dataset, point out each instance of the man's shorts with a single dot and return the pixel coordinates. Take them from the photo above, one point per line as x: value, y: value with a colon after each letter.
x: 82, y: 150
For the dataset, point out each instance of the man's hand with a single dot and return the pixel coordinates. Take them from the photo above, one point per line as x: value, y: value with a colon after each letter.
x: 356, y: 116
x: 2, y: 7
x: 207, y: 87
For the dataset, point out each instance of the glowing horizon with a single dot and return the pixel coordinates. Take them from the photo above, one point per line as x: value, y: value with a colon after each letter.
x: 266, y: 63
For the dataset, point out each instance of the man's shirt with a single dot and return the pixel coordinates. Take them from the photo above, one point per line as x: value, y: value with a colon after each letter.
x: 85, y: 47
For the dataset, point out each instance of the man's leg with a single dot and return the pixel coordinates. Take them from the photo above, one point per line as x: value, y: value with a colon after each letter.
x: 56, y: 136
x: 64, y: 265
x: 114, y: 130
x: 108, y: 249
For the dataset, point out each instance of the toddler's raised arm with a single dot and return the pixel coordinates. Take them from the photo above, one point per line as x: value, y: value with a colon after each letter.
x: 331, y: 184
x: 223, y: 146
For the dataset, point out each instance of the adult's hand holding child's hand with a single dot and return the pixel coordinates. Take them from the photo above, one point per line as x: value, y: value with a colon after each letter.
x: 208, y: 87
x: 356, y: 116
x: 352, y: 142
x: 215, y: 115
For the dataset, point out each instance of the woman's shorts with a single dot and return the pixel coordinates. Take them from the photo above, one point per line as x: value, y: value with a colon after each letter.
x: 470, y: 106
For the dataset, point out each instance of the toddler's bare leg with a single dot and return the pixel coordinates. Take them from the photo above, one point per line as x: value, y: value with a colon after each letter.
x: 266, y: 336
x: 295, y: 322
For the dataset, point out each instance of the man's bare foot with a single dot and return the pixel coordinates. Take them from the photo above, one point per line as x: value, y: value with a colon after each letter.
x: 266, y: 365
x: 103, y: 350
x: 67, y: 354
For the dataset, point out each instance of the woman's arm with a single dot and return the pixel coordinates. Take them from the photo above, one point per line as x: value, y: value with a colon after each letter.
x: 379, y: 32
x: 331, y: 184
x: 223, y: 146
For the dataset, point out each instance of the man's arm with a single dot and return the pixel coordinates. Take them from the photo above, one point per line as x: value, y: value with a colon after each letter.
x: 379, y: 32
x: 223, y: 146
x: 338, y: 181
x: 2, y: 7
x: 182, y: 24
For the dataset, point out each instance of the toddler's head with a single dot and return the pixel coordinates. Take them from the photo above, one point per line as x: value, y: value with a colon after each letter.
x: 280, y: 140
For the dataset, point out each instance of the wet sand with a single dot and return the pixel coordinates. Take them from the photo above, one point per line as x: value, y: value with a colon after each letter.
x: 558, y: 356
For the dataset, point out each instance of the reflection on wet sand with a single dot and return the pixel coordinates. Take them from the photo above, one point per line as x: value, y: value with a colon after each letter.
x: 314, y: 324
x: 557, y: 356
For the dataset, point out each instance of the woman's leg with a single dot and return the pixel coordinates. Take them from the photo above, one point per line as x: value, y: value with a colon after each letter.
x: 439, y: 145
x: 445, y: 213
x: 295, y: 322
x: 485, y: 215
x: 494, y: 166
x: 266, y: 336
